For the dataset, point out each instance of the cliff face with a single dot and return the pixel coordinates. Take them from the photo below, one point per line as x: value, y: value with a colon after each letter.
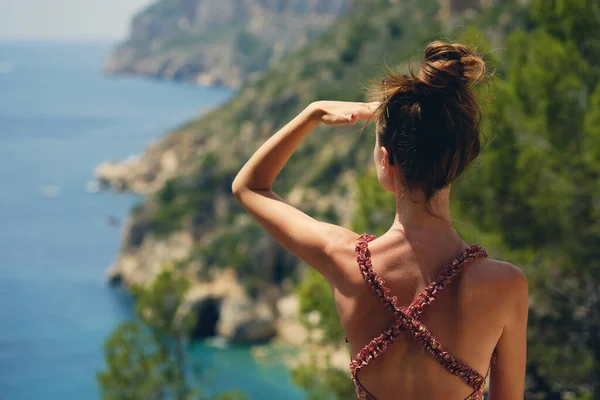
x: 219, y: 42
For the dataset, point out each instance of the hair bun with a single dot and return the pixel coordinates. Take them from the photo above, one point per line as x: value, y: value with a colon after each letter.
x: 450, y: 65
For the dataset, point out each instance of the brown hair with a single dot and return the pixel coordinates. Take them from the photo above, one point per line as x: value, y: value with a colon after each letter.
x: 429, y: 122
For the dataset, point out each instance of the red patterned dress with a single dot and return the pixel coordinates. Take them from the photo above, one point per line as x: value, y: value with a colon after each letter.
x: 407, y: 320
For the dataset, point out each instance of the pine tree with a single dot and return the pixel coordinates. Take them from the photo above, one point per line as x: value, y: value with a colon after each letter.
x: 146, y: 358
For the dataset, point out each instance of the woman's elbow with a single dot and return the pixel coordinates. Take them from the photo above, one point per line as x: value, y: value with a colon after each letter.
x: 237, y: 187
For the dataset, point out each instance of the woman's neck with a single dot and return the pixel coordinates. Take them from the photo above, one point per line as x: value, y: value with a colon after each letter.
x: 413, y: 214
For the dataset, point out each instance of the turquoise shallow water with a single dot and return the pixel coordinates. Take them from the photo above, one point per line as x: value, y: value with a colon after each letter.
x: 59, y: 118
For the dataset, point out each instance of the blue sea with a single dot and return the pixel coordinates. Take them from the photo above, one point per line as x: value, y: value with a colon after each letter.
x: 59, y: 118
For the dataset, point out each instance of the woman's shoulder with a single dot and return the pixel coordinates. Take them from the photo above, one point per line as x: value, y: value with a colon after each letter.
x: 496, y: 281
x: 500, y: 273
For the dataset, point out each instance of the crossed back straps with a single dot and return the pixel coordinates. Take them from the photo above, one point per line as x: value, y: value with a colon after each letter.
x: 407, y: 318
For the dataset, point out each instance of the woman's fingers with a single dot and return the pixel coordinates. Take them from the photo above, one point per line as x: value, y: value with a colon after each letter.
x: 340, y: 119
x: 348, y: 113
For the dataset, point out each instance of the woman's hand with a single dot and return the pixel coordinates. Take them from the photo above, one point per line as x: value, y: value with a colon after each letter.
x: 339, y: 113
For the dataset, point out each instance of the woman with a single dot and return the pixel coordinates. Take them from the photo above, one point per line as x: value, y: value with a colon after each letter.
x: 427, y: 316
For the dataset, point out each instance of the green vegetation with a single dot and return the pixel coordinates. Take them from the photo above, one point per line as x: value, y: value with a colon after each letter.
x: 534, y: 195
x: 315, y: 295
x: 538, y: 186
x: 145, y: 359
x: 324, y: 383
x: 228, y: 135
x: 532, y: 198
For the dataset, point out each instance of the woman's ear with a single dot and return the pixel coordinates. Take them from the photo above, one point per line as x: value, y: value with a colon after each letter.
x: 385, y: 160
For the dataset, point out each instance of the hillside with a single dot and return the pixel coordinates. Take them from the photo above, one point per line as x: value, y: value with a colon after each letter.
x: 199, y: 160
x: 219, y: 42
x: 533, y: 197
x: 191, y: 218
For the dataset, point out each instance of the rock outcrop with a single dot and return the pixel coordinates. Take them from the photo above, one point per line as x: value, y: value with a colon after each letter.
x: 244, y: 321
x: 141, y: 264
x: 139, y: 174
x: 219, y: 42
x: 223, y: 309
x: 289, y: 328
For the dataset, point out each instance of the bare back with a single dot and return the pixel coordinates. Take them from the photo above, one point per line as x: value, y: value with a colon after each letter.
x: 467, y: 318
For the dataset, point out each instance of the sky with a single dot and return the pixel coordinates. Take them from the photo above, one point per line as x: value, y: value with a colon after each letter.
x: 67, y: 19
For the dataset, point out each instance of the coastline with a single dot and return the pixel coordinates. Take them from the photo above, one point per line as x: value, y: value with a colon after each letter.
x: 64, y: 118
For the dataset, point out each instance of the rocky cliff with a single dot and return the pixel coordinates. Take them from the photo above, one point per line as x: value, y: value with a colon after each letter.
x: 219, y: 42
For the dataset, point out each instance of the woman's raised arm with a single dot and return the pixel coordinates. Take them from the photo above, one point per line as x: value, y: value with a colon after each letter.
x: 304, y: 236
